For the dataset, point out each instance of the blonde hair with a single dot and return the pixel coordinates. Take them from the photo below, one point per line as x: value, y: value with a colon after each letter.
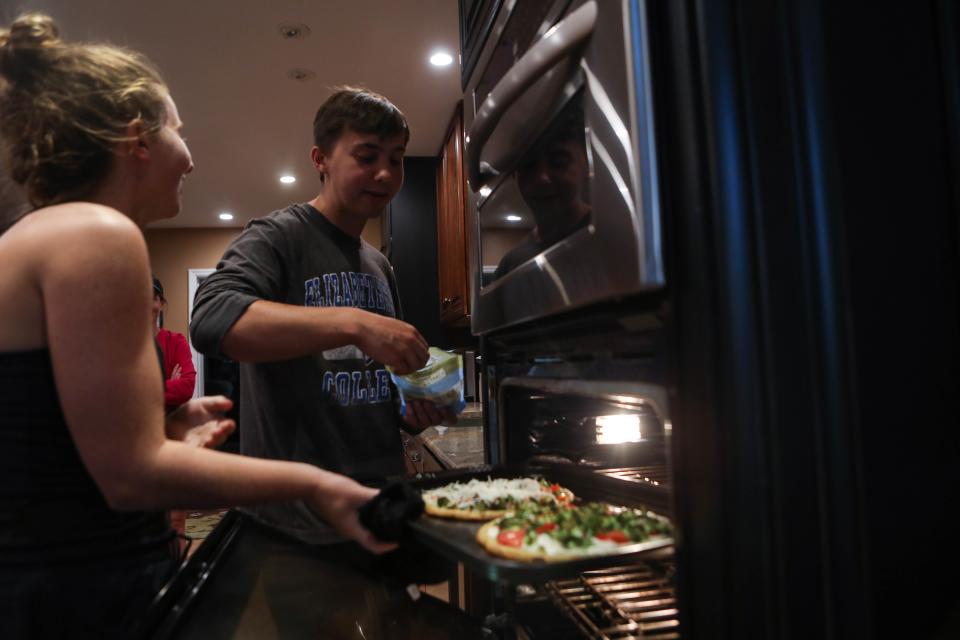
x: 64, y: 107
x: 12, y: 203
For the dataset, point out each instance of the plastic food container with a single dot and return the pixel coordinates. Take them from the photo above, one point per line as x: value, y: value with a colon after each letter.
x: 439, y: 381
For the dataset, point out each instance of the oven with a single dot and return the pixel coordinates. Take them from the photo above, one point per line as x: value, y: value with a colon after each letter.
x: 590, y: 394
x: 560, y: 155
x: 684, y: 279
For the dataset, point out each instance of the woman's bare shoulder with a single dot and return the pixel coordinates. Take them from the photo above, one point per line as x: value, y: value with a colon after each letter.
x: 77, y: 227
x: 75, y: 217
x: 77, y: 238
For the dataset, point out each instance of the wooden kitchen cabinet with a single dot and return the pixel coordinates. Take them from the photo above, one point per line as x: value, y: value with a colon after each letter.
x: 452, y: 229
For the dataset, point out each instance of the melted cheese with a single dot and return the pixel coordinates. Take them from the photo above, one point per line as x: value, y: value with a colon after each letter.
x: 552, y: 547
x: 548, y: 545
x: 462, y: 495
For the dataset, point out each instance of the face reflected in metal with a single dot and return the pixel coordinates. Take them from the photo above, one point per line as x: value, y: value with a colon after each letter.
x: 552, y: 183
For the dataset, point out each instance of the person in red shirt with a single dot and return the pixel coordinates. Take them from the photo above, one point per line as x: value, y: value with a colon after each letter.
x: 179, y: 374
x: 179, y: 378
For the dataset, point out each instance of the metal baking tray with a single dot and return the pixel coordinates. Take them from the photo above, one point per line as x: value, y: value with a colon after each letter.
x: 456, y: 539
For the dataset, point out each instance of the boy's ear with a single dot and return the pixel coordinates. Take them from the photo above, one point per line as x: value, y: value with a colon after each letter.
x: 319, y: 159
x: 135, y: 141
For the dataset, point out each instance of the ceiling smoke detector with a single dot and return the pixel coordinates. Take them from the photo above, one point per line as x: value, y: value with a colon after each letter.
x: 293, y: 30
x: 301, y: 75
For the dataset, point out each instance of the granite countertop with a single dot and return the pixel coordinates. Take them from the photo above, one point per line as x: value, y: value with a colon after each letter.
x: 459, y: 446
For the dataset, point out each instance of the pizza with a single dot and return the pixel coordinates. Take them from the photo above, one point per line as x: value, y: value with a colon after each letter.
x: 491, y: 498
x: 553, y: 533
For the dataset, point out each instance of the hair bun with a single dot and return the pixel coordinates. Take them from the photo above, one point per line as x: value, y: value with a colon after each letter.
x: 26, y: 41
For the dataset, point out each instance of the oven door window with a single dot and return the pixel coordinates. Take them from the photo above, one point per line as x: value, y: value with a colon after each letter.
x: 543, y: 201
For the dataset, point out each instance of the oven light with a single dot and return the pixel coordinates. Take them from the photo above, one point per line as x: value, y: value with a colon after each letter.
x: 617, y: 429
x: 485, y: 191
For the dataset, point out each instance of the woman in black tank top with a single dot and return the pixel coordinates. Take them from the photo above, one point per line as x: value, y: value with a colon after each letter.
x: 88, y: 462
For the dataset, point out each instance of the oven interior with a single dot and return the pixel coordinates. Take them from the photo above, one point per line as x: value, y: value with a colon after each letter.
x: 604, y: 426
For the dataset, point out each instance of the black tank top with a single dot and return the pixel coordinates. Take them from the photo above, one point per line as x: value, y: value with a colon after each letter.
x: 50, y: 509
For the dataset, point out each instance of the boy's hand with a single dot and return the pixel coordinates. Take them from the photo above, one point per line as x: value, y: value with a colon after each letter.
x: 421, y: 414
x: 392, y: 342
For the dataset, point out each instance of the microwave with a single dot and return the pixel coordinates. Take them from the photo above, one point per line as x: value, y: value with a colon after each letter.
x: 560, y: 155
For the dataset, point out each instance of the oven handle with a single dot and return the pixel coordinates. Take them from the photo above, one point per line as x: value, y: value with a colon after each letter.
x: 560, y: 42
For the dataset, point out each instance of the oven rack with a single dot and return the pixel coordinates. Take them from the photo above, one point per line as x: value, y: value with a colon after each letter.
x: 657, y: 475
x: 620, y: 603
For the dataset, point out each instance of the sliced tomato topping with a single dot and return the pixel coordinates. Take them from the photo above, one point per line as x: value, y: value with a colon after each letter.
x: 511, y: 537
x: 555, y: 488
x: 549, y: 526
x: 615, y: 536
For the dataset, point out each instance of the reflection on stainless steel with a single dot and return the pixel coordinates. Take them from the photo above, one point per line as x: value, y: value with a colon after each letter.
x: 534, y: 82
x: 617, y: 252
x: 552, y: 182
x: 609, y: 112
x: 554, y: 278
x: 614, y: 172
x: 644, y: 134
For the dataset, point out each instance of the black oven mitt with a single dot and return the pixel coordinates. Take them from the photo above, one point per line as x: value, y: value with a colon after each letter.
x: 386, y: 516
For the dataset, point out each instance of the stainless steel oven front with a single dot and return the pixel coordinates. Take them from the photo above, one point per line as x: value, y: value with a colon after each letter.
x: 561, y: 161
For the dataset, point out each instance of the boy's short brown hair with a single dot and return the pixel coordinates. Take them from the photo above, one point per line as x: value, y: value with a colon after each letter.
x: 358, y: 109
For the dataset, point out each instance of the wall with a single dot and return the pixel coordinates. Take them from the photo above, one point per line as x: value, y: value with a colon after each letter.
x: 173, y: 252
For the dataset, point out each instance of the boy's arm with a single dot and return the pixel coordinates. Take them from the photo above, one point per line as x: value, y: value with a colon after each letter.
x: 252, y: 268
x: 271, y: 331
x: 234, y: 313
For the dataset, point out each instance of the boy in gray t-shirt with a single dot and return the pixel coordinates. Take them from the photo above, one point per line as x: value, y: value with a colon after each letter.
x: 311, y: 312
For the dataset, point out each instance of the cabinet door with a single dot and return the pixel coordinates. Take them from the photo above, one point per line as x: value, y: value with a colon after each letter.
x: 452, y: 232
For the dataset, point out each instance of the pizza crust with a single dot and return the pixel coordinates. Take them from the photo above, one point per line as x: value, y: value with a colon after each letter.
x: 461, y: 514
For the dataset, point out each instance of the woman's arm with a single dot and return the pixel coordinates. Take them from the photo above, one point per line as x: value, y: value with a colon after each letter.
x: 95, y: 279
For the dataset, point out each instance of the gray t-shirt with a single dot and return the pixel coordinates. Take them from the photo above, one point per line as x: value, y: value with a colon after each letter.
x: 334, y: 409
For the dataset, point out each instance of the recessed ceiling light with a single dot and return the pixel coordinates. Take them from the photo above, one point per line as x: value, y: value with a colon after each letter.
x: 293, y: 30
x: 485, y: 191
x: 441, y: 59
x: 226, y: 216
x: 301, y: 75
x: 513, y: 218
x: 287, y: 179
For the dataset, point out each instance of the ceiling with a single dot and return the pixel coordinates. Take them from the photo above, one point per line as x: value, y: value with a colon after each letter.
x: 246, y: 122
